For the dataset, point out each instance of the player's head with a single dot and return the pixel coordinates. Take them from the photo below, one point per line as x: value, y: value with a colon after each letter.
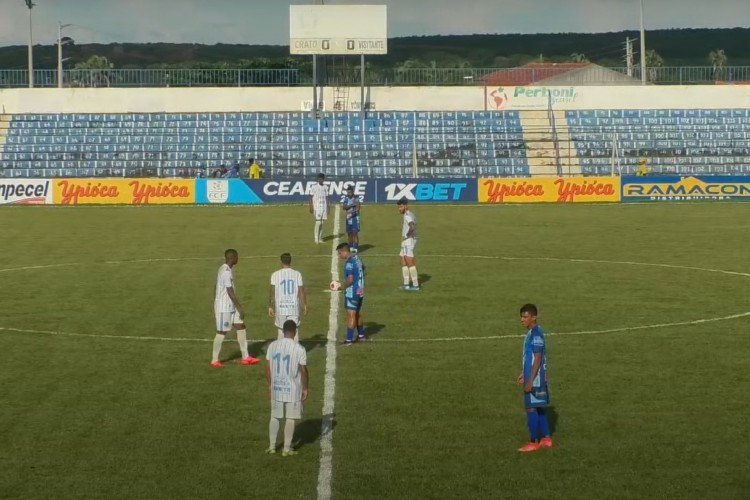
x: 289, y: 329
x: 350, y: 190
x: 344, y: 251
x: 231, y: 257
x: 321, y: 178
x: 528, y: 315
x: 403, y: 205
x: 286, y: 259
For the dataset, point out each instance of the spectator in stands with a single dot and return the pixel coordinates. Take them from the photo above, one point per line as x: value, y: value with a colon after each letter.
x: 233, y: 172
x: 642, y: 168
x: 220, y: 172
x: 256, y: 172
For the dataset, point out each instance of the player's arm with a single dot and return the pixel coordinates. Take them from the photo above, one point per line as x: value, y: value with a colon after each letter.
x: 236, y: 301
x: 412, y: 229
x: 534, y: 371
x: 268, y: 376
x: 305, y: 378
x: 348, y: 280
x: 272, y: 301
x: 311, y: 203
x: 302, y: 298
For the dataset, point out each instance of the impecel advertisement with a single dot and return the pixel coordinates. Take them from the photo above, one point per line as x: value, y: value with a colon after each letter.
x: 25, y: 192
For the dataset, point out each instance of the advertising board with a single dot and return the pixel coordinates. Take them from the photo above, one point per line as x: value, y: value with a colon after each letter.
x: 25, y: 192
x: 549, y: 190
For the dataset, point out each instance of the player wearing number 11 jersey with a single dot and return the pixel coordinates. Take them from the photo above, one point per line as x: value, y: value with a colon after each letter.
x: 287, y: 299
x: 287, y: 378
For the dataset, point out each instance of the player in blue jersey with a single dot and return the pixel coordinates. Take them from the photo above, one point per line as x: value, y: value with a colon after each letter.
x: 354, y: 293
x: 350, y: 204
x: 533, y: 378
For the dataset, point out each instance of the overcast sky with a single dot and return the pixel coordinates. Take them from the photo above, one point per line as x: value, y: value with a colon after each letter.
x: 266, y: 21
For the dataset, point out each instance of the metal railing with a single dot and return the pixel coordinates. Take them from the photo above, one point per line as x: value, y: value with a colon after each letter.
x: 154, y: 78
x: 595, y: 75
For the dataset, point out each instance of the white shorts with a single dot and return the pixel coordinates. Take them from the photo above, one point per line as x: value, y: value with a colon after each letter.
x: 280, y: 410
x: 407, y: 247
x: 321, y: 214
x: 280, y: 319
x: 280, y: 325
x: 225, y: 320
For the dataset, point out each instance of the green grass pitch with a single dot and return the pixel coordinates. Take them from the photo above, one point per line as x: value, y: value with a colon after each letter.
x: 638, y: 413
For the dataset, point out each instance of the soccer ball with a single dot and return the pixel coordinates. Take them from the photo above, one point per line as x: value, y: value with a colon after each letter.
x: 335, y: 285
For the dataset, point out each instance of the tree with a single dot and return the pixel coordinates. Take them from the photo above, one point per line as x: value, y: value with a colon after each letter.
x: 93, y: 72
x: 653, y: 61
x: 576, y: 57
x: 95, y: 63
x: 718, y: 60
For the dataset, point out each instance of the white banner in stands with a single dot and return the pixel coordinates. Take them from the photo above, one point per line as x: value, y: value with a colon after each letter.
x: 25, y: 192
x: 457, y: 98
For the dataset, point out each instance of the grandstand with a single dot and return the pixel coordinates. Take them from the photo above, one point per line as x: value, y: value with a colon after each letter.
x: 386, y: 144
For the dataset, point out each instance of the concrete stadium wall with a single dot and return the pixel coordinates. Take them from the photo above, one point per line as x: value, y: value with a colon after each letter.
x: 286, y: 99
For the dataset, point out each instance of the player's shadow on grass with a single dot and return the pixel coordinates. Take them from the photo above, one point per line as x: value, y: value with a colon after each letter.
x: 424, y: 278
x: 372, y: 328
x: 313, y: 342
x: 309, y: 431
x: 364, y: 248
x: 552, y: 419
x: 330, y: 237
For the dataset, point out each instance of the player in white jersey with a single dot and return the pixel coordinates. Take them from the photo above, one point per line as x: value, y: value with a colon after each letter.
x: 287, y: 377
x: 319, y: 206
x: 408, y: 242
x: 287, y: 297
x: 229, y: 312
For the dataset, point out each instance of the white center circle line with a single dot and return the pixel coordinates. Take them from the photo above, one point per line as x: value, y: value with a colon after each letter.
x: 401, y: 340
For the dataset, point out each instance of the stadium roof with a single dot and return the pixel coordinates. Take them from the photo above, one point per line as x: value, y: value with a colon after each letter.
x: 541, y: 73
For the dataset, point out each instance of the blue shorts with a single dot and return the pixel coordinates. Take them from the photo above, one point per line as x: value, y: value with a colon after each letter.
x: 354, y: 303
x: 352, y: 225
x: 537, y: 398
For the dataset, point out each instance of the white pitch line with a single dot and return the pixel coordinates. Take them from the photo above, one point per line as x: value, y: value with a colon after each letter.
x: 325, y: 473
x: 588, y: 332
x: 102, y: 336
x: 385, y: 255
x: 400, y: 340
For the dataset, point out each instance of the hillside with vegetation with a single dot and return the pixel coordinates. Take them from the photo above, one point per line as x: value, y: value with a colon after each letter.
x: 679, y: 47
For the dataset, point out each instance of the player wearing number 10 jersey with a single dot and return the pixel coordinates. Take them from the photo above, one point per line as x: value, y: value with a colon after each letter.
x: 287, y: 298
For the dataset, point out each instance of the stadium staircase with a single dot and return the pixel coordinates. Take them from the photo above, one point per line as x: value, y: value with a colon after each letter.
x: 550, y: 150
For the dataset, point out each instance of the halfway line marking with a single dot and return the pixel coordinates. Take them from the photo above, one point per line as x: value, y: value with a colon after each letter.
x: 325, y: 472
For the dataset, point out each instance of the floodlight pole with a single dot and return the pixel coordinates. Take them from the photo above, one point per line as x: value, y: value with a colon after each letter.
x: 60, y: 27
x: 362, y: 107
x: 644, y: 78
x: 30, y: 5
x: 314, y: 109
